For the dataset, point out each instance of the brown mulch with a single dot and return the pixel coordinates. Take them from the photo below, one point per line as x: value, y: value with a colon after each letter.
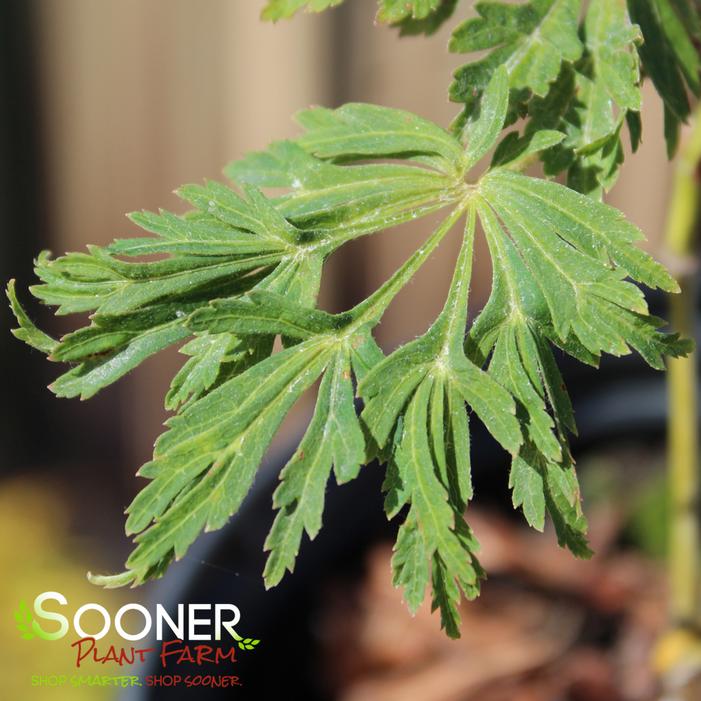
x: 547, y: 627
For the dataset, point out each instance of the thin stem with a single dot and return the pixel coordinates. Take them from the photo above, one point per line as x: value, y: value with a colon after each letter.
x: 683, y: 445
x: 683, y: 440
x: 683, y: 208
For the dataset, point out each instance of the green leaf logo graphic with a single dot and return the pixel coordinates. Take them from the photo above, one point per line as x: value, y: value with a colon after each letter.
x: 248, y: 643
x: 245, y: 643
x: 23, y: 620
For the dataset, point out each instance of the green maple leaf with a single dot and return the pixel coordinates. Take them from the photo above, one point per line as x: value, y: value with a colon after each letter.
x: 671, y: 31
x: 243, y: 269
x: 530, y: 40
x: 605, y: 92
x: 588, y: 100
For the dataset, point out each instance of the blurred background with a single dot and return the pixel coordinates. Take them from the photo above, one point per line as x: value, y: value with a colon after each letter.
x: 106, y: 108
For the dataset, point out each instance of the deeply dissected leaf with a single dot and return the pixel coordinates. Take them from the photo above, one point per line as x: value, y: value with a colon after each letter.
x: 531, y: 40
x: 334, y: 439
x: 236, y: 280
x: 588, y: 102
x: 140, y: 308
x: 562, y: 270
x: 606, y: 89
x: 669, y: 56
x: 204, y: 465
x: 577, y: 254
x: 418, y: 395
x: 430, y: 507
